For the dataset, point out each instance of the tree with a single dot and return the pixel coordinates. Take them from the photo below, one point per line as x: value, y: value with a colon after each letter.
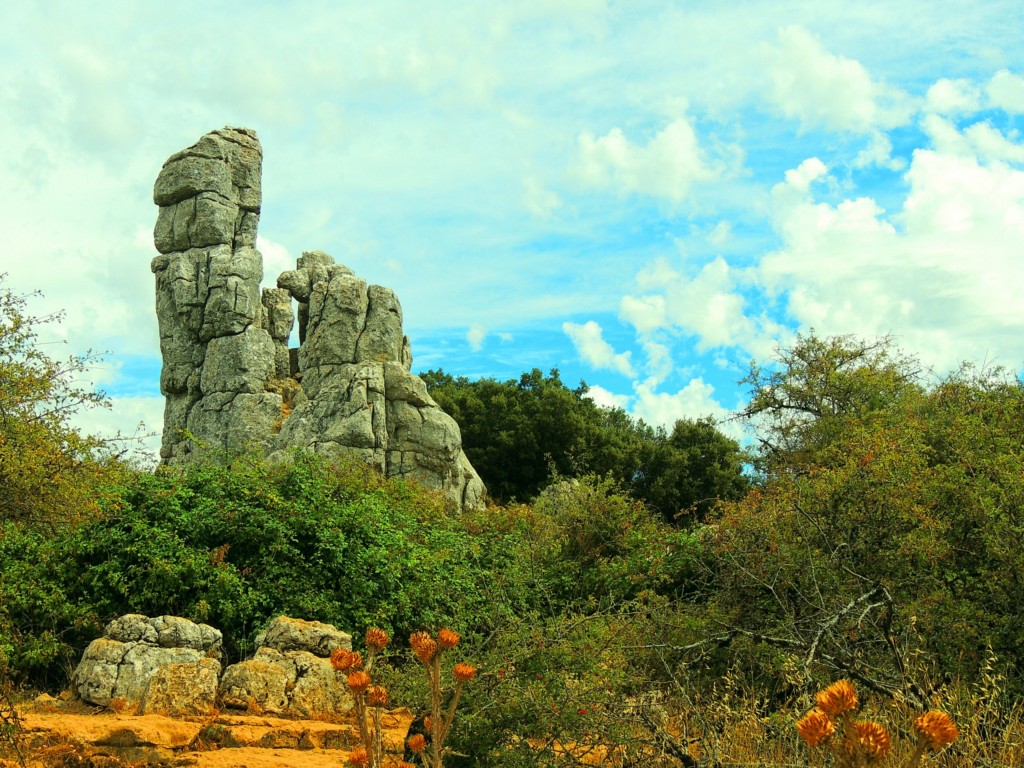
x: 690, y: 470
x: 519, y: 435
x: 48, y: 470
x: 890, y: 519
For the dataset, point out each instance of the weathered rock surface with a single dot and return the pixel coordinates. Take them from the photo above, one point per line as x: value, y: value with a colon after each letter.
x: 288, y: 634
x: 182, y: 690
x: 292, y: 682
x: 121, y: 664
x: 230, y: 381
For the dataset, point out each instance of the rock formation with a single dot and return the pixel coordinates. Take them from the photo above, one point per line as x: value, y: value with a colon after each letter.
x: 290, y: 672
x: 230, y: 380
x: 134, y: 650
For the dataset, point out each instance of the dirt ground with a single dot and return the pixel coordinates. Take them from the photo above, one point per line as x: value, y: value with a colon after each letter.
x: 56, y: 733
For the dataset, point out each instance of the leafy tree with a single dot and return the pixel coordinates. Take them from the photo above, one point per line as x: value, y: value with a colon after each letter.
x: 690, y: 470
x: 889, y: 521
x: 49, y: 472
x: 519, y: 435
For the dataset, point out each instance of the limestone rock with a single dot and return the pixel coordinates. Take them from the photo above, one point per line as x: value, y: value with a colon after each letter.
x: 231, y: 382
x: 292, y: 682
x: 287, y: 634
x: 134, y: 648
x: 182, y: 690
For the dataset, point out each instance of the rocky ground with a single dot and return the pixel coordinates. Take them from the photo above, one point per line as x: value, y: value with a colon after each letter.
x: 59, y: 733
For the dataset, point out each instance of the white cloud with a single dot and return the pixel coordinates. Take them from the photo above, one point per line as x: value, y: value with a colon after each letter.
x: 821, y: 89
x: 606, y: 398
x: 645, y: 313
x: 475, y: 336
x: 1006, y: 92
x: 878, y: 153
x: 137, y: 419
x: 662, y: 409
x: 943, y: 275
x: 666, y: 167
x: 951, y: 97
x: 592, y: 347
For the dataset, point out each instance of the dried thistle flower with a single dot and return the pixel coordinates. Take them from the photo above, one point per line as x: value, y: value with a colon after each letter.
x: 376, y: 638
x: 424, y: 645
x: 378, y: 696
x: 464, y: 672
x: 339, y: 659
x: 936, y: 729
x: 417, y: 743
x: 359, y: 757
x: 815, y: 728
x: 838, y: 699
x: 358, y: 681
x: 446, y: 639
x: 872, y: 740
x: 428, y: 724
x: 343, y: 660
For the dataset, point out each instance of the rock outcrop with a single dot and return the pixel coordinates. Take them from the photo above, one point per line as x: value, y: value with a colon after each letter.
x: 289, y: 672
x: 134, y: 649
x: 232, y: 383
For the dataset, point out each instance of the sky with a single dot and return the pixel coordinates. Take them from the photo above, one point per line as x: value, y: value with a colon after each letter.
x: 644, y: 195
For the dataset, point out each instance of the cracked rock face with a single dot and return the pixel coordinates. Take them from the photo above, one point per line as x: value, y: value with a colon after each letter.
x: 134, y: 649
x: 230, y: 380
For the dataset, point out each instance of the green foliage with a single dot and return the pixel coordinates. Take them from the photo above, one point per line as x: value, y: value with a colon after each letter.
x: 880, y: 485
x: 521, y: 434
x: 48, y: 471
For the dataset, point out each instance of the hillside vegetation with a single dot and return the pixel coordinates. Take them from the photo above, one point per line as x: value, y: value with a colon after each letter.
x: 636, y: 587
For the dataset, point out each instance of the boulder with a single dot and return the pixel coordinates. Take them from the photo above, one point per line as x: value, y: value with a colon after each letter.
x: 287, y: 634
x: 292, y: 682
x: 182, y: 690
x: 120, y: 665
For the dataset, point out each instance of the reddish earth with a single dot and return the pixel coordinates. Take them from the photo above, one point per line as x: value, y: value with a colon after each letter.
x: 59, y: 734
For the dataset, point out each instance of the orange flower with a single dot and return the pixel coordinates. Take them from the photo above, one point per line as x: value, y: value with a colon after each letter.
x: 339, y: 659
x: 378, y: 696
x: 428, y: 724
x: 815, y: 728
x: 376, y: 638
x: 838, y: 699
x: 447, y: 639
x: 424, y: 646
x: 872, y: 740
x: 417, y: 743
x: 937, y: 729
x: 464, y: 672
x: 358, y: 757
x: 358, y: 682
x: 342, y: 659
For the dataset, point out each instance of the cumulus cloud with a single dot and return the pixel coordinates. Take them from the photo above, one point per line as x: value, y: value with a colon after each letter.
x: 1006, y: 92
x: 951, y: 97
x: 821, y: 89
x: 662, y: 409
x: 590, y: 343
x: 606, y: 398
x: 666, y: 167
x: 943, y: 274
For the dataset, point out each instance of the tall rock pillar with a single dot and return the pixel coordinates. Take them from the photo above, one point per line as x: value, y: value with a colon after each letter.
x: 217, y: 357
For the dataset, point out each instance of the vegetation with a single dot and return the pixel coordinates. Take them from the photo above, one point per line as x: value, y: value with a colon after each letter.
x: 520, y: 434
x: 880, y: 541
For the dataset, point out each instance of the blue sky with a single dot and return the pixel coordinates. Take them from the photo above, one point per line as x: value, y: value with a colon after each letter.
x: 645, y: 195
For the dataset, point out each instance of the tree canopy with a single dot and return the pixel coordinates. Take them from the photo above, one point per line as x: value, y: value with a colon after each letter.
x: 891, y: 514
x: 520, y: 434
